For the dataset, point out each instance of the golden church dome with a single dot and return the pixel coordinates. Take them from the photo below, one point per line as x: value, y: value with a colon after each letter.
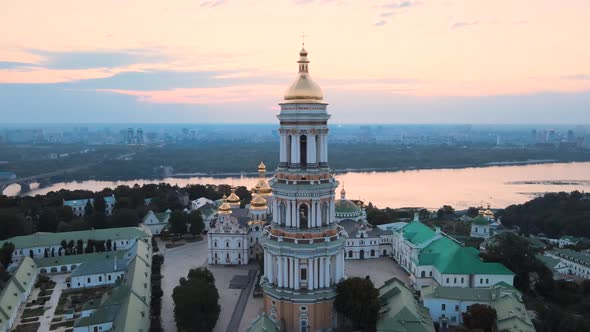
x: 304, y: 89
x: 224, y: 208
x: 258, y: 202
x: 233, y: 199
x: 262, y: 167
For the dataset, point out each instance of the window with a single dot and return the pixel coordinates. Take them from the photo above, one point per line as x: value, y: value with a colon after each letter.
x: 239, y: 244
x: 303, y: 275
x: 456, y: 307
x: 453, y: 319
x: 481, y: 280
x: 487, y: 281
x: 88, y: 280
x: 462, y: 280
x: 447, y: 280
x: 227, y: 244
x: 455, y: 280
x: 215, y: 244
x: 443, y: 307
x: 350, y: 254
x: 99, y: 279
x: 109, y: 277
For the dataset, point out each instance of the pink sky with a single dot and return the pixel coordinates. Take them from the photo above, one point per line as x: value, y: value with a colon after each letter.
x: 422, y: 49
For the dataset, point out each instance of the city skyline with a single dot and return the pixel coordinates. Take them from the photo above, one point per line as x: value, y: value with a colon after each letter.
x: 385, y: 62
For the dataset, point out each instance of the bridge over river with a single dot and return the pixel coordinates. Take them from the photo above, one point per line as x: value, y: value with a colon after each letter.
x: 25, y: 182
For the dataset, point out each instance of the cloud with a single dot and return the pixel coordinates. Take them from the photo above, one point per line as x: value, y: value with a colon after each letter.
x: 98, y: 59
x: 402, y: 4
x: 386, y: 14
x: 16, y: 65
x: 459, y: 25
x: 380, y: 23
x: 211, y: 3
x: 580, y: 77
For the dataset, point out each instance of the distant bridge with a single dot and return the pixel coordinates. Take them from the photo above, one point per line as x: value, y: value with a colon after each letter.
x: 25, y: 182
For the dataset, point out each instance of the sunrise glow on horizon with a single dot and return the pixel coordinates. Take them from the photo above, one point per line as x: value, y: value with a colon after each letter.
x: 211, y: 61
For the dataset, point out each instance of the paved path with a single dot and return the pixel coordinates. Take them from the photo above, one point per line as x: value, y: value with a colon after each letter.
x: 46, y: 318
x: 236, y: 317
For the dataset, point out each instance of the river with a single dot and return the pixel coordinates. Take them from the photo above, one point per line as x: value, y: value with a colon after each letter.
x: 499, y: 186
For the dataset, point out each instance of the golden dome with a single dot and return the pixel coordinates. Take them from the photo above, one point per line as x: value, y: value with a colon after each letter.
x: 304, y: 89
x: 258, y: 202
x: 262, y: 167
x: 224, y: 208
x: 233, y: 198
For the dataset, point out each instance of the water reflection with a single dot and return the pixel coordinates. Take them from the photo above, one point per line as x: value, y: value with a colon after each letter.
x: 499, y: 185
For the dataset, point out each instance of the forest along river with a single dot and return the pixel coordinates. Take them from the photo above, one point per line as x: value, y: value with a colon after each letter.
x: 499, y: 186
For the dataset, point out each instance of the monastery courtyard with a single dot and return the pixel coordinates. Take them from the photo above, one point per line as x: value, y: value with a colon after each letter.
x: 178, y: 261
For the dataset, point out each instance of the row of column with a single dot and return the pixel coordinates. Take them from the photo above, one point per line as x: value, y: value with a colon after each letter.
x: 316, y: 150
x: 316, y: 216
x: 320, y: 272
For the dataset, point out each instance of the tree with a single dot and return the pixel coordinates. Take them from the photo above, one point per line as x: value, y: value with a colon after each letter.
x: 196, y: 301
x: 445, y: 211
x: 480, y: 316
x: 514, y: 252
x: 472, y: 211
x: 100, y: 206
x: 195, y: 219
x: 65, y: 214
x: 88, y: 208
x: 178, y: 221
x: 357, y: 299
x: 80, y: 246
x: 125, y: 218
x: 89, y: 246
x: 6, y: 253
x: 48, y: 220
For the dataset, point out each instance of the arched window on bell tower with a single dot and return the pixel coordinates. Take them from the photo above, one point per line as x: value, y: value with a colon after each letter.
x: 282, y: 213
x: 303, y: 149
x: 324, y: 214
x: 303, y: 215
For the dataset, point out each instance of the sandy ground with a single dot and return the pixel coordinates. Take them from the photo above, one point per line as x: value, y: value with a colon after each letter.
x: 178, y: 261
x: 378, y: 269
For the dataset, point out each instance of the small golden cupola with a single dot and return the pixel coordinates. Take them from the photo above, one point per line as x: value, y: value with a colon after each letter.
x: 304, y: 89
x: 224, y: 208
x: 258, y: 203
x: 262, y: 187
x: 233, y: 200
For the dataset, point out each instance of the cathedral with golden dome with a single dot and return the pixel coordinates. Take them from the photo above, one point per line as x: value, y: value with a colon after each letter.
x: 234, y: 233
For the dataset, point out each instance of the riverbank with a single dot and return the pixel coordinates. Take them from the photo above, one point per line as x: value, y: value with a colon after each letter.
x: 461, y: 188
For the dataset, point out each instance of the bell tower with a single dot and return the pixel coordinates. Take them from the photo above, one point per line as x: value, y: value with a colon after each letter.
x: 303, y: 245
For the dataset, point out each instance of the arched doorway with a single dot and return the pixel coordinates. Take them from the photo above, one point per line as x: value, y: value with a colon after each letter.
x: 372, y: 252
x: 362, y: 254
x: 303, y: 146
x: 384, y: 252
x: 303, y: 215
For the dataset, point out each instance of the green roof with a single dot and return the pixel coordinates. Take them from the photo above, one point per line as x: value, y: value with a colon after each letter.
x: 449, y: 257
x: 481, y: 220
x: 128, y: 304
x: 21, y: 279
x: 401, y: 311
x: 262, y: 323
x: 346, y: 207
x: 572, y: 255
x: 91, y: 258
x: 550, y: 262
x: 54, y: 239
x: 416, y: 232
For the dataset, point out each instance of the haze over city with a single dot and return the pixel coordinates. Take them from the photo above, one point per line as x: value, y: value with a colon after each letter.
x: 229, y: 61
x: 295, y: 166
